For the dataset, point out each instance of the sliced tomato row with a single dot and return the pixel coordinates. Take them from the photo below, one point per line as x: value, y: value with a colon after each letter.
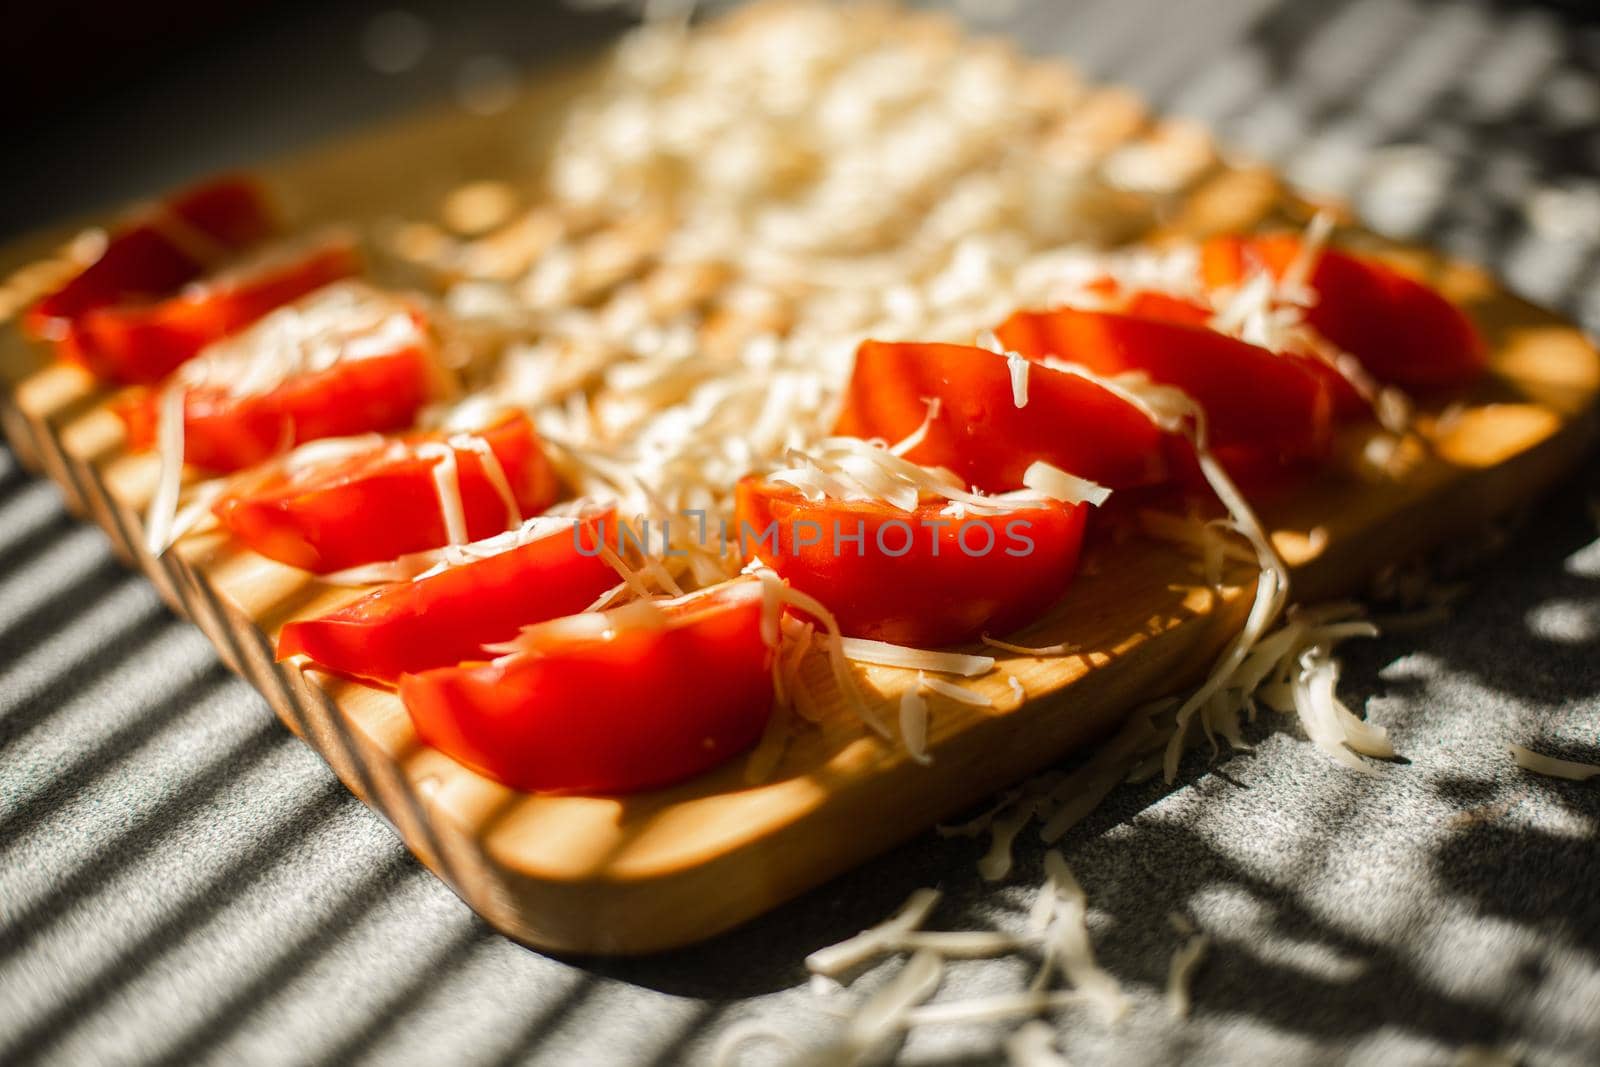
x: 617, y: 701
x: 925, y: 577
x: 1402, y: 331
x: 445, y: 618
x: 136, y: 343
x: 686, y: 683
x: 901, y: 576
x: 158, y: 251
x: 176, y: 278
x: 319, y: 516
x: 981, y: 433
x: 370, y: 373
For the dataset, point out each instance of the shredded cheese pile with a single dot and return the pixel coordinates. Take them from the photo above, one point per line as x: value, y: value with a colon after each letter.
x: 722, y: 223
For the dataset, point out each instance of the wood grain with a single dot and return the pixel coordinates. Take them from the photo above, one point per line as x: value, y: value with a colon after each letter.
x: 649, y: 872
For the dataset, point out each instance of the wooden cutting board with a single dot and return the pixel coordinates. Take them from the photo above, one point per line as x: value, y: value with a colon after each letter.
x: 658, y: 870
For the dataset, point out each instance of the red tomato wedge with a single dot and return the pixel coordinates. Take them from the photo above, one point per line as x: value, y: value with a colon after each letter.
x: 441, y: 619
x: 383, y: 503
x: 159, y: 250
x: 1164, y: 308
x: 143, y: 343
x: 980, y: 434
x: 914, y: 578
x: 611, y: 702
x: 1148, y: 304
x: 344, y: 360
x: 1401, y: 330
x: 1273, y: 404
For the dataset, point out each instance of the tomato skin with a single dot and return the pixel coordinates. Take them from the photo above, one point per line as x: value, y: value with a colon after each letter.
x: 935, y: 593
x: 446, y: 618
x: 1402, y: 331
x: 1270, y: 403
x: 643, y: 708
x: 981, y: 434
x: 377, y: 506
x: 223, y: 432
x: 144, y: 260
x: 143, y: 343
x: 1164, y: 308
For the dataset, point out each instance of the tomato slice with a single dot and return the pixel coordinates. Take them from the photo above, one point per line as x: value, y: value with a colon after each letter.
x: 980, y: 434
x: 1271, y: 403
x: 611, y: 702
x: 915, y: 578
x: 1402, y: 331
x: 383, y: 503
x: 344, y: 360
x: 158, y: 251
x: 1148, y: 304
x: 143, y: 343
x: 442, y: 619
x: 1165, y: 308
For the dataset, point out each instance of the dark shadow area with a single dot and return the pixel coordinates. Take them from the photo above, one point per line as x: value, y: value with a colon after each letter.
x: 542, y: 1020
x: 1488, y: 636
x: 271, y: 78
x: 130, y: 961
x: 1527, y: 876
x: 95, y: 763
x: 435, y: 970
x: 74, y: 888
x: 227, y: 1016
x: 12, y: 473
x: 82, y: 673
x: 88, y: 587
x: 16, y: 555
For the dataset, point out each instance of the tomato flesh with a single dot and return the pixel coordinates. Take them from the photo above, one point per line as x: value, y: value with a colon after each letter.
x: 223, y: 432
x: 1402, y: 331
x: 1253, y: 399
x: 343, y: 360
x: 154, y: 254
x: 915, y: 578
x: 633, y: 707
x: 383, y: 504
x: 981, y: 434
x: 143, y: 343
x: 445, y: 618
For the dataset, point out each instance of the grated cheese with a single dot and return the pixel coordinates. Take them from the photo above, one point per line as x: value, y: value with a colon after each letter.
x: 885, y: 1012
x: 994, y: 1008
x: 1180, y: 975
x: 1551, y: 767
x: 914, y: 725
x: 725, y: 1053
x: 1034, y: 1045
x: 1016, y: 366
x: 493, y: 470
x: 917, y: 436
x: 833, y: 643
x: 847, y: 955
x: 1068, y: 948
x: 1003, y: 829
x: 446, y: 476
x: 959, y: 693
x: 885, y: 654
x: 1042, y: 651
x: 163, y: 508
x: 1057, y: 484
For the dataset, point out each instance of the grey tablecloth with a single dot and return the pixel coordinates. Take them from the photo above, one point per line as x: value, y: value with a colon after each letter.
x: 181, y: 880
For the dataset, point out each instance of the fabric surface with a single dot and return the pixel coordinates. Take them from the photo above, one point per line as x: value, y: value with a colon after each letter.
x: 182, y: 881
